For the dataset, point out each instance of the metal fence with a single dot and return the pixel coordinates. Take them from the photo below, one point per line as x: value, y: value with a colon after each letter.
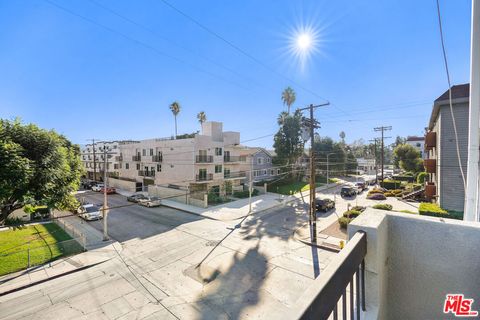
x: 74, y: 233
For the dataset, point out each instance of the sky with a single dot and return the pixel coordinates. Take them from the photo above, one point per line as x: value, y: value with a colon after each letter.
x: 109, y: 69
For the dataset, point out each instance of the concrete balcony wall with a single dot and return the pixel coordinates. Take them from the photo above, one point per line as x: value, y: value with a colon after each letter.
x: 413, y: 261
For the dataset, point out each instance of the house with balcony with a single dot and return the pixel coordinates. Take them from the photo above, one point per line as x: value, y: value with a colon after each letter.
x: 445, y: 184
x: 199, y: 162
x: 259, y: 161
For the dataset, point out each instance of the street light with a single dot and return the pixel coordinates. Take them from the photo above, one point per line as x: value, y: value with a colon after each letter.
x: 328, y: 179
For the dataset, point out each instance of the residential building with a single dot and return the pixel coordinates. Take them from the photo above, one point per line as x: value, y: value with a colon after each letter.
x: 199, y: 162
x: 259, y: 161
x: 418, y: 143
x: 445, y: 184
x: 366, y: 166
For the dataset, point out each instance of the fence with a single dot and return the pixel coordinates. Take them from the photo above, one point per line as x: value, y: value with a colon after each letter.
x: 37, y: 255
x: 68, y: 228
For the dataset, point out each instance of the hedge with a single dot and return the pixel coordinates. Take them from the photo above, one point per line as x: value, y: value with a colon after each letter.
x: 344, y: 222
x: 351, y: 214
x: 404, y: 178
x: 421, y: 177
x: 383, y: 206
x: 391, y: 184
x: 432, y: 210
x: 245, y: 193
x: 358, y: 208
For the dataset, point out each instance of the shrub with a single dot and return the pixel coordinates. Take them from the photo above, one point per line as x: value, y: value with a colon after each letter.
x: 383, y: 206
x: 408, y: 211
x: 388, y: 194
x: 245, y: 193
x: 391, y: 184
x: 358, y: 208
x: 432, y: 210
x: 421, y: 177
x: 396, y: 191
x: 344, y: 222
x: 408, y: 178
x: 376, y: 190
x: 455, y: 214
x: 351, y: 214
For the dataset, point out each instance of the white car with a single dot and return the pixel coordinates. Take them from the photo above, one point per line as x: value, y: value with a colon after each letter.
x: 90, y: 212
x: 150, y: 202
x: 98, y: 187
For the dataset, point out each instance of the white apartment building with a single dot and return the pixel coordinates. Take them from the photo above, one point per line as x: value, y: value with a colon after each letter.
x: 198, y: 162
x: 418, y: 143
x: 366, y: 166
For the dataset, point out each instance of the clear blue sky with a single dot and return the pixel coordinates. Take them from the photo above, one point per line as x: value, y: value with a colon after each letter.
x: 378, y: 63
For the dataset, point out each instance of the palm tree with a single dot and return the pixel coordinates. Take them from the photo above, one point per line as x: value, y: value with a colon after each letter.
x: 202, y: 117
x: 175, y: 108
x: 281, y: 118
x: 288, y: 98
x: 342, y: 136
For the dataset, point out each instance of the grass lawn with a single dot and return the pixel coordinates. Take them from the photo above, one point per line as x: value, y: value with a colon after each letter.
x: 46, y: 242
x: 293, y: 187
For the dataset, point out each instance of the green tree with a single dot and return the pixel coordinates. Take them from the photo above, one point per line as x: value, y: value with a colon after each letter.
x: 288, y: 143
x: 351, y: 162
x: 37, y: 167
x: 327, y: 149
x: 408, y: 158
x: 175, y: 108
x: 288, y: 97
x: 202, y: 117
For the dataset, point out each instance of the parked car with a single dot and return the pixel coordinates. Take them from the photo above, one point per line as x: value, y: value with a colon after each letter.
x: 97, y: 187
x: 89, y: 212
x: 361, y: 186
x: 348, y: 192
x: 150, y: 202
x: 110, y: 190
x: 324, y: 204
x: 377, y: 196
x: 136, y: 197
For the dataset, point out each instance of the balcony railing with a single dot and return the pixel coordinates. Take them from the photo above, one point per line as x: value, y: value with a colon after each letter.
x: 203, y: 159
x: 206, y: 177
x: 143, y: 173
x: 430, y: 140
x: 234, y: 158
x: 347, y: 270
x: 430, y: 190
x: 157, y: 158
x: 119, y: 158
x: 136, y: 158
x: 430, y: 165
x: 238, y: 174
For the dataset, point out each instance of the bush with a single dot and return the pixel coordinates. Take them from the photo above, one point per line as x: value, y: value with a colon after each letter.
x: 358, y: 208
x: 432, y: 210
x: 421, y: 177
x: 388, y: 194
x: 245, y: 193
x: 408, y: 178
x: 408, y: 211
x: 344, y: 222
x: 376, y: 190
x: 391, y: 184
x: 396, y: 191
x: 351, y: 214
x: 383, y: 206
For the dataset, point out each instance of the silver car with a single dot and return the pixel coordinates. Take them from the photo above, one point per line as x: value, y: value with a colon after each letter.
x: 90, y: 212
x: 150, y: 202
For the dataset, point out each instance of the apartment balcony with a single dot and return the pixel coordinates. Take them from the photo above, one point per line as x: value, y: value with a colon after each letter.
x: 157, y: 158
x: 430, y: 190
x: 430, y: 165
x: 201, y: 178
x: 203, y: 159
x: 136, y: 158
x: 396, y: 266
x: 234, y: 158
x: 143, y: 173
x: 430, y: 140
x: 235, y: 175
x: 119, y: 158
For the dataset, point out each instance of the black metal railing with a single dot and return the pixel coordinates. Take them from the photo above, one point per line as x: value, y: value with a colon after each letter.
x: 203, y: 159
x: 144, y: 173
x: 118, y: 158
x: 234, y: 158
x: 346, y: 271
x: 206, y: 177
x: 157, y: 158
x: 237, y: 174
x: 136, y: 158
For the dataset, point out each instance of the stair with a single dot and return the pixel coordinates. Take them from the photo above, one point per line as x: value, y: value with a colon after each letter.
x: 413, y: 194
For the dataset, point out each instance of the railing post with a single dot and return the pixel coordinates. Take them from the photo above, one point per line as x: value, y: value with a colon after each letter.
x: 28, y: 257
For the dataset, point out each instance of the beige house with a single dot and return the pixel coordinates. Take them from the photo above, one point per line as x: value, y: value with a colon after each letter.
x: 198, y: 162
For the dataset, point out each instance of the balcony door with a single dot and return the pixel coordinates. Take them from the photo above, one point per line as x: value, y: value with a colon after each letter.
x: 202, y: 174
x: 226, y: 155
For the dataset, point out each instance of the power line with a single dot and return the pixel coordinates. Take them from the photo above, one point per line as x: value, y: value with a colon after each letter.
x: 383, y: 129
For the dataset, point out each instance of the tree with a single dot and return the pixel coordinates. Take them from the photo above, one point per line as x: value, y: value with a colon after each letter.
x: 175, y: 108
x: 327, y: 149
x: 37, y: 167
x: 351, y: 162
x: 342, y: 136
x: 202, y: 117
x: 399, y: 140
x: 288, y: 143
x: 288, y: 98
x: 408, y: 158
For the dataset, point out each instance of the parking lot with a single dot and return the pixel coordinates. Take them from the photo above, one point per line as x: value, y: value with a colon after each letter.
x: 127, y: 220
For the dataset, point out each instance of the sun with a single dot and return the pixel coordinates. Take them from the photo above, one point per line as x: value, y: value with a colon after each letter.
x: 304, y: 41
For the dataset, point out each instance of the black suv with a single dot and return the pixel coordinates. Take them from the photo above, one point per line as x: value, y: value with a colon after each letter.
x: 324, y: 204
x: 348, y: 192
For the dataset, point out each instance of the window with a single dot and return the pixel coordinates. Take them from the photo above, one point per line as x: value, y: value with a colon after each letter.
x: 115, y: 166
x: 218, y: 151
x: 138, y: 166
x: 159, y: 168
x: 218, y: 168
x: 259, y: 160
x: 127, y: 166
x: 226, y: 172
x: 152, y: 169
x: 202, y: 173
x: 151, y: 152
x: 269, y: 160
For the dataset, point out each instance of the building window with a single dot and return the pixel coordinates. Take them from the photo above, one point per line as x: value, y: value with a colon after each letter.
x: 264, y: 172
x: 127, y: 166
x: 218, y: 168
x: 202, y: 173
x: 218, y: 151
x: 269, y: 160
x: 138, y: 166
x: 152, y: 169
x: 278, y: 171
x: 159, y: 168
x: 144, y: 152
x: 151, y: 152
x: 115, y: 166
x: 259, y: 160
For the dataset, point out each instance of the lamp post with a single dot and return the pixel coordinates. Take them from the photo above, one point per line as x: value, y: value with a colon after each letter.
x: 328, y: 176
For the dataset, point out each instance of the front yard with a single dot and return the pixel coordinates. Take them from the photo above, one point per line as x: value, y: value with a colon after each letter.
x: 34, y: 245
x: 292, y: 187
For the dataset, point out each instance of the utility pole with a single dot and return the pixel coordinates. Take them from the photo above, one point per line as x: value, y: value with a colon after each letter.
x: 250, y: 186
x: 312, y: 124
x: 376, y: 157
x: 94, y: 161
x: 105, y: 201
x: 383, y: 129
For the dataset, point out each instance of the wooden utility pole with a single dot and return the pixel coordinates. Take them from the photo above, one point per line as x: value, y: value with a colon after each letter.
x: 383, y: 129
x: 312, y: 124
x: 376, y: 156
